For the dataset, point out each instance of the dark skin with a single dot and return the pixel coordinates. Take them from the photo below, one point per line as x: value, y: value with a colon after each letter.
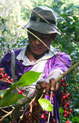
x: 36, y: 50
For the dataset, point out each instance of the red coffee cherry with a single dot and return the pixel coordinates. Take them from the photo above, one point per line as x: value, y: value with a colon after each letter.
x: 1, y: 69
x: 54, y: 121
x: 63, y: 84
x: 68, y: 121
x: 9, y: 77
x: 67, y: 85
x: 65, y: 115
x: 53, y: 95
x: 11, y: 80
x: 5, y: 75
x: 62, y: 80
x: 70, y: 110
x: 20, y: 92
x: 43, y: 116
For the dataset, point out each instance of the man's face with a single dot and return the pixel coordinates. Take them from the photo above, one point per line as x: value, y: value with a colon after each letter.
x: 36, y: 46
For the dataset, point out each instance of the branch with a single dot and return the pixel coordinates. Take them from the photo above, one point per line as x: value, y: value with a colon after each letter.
x: 40, y: 92
x: 8, y: 113
x: 27, y: 101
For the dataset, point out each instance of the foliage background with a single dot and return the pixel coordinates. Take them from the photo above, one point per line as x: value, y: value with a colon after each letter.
x: 14, y: 14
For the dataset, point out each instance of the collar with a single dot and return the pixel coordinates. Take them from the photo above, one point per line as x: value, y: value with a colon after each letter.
x: 27, y: 62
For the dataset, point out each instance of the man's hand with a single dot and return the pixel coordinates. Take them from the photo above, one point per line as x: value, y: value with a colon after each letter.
x: 52, y: 85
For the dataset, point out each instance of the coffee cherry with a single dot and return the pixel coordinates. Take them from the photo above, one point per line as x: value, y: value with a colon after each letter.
x: 65, y: 107
x: 20, y: 92
x: 65, y: 112
x: 5, y: 75
x: 63, y: 84
x: 42, y: 116
x: 62, y: 80
x: 54, y: 121
x: 65, y: 115
x: 53, y: 95
x: 68, y: 122
x: 68, y: 113
x: 67, y: 98
x: 68, y: 94
x: 67, y: 104
x: 11, y: 80
x: 9, y: 77
x: 67, y: 85
x: 64, y: 97
x: 1, y: 69
x: 70, y: 110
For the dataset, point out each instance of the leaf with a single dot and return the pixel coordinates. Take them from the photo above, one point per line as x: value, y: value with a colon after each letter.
x: 2, y: 92
x: 61, y: 110
x: 75, y: 119
x: 45, y: 104
x: 9, y: 90
x: 28, y: 78
x: 10, y: 99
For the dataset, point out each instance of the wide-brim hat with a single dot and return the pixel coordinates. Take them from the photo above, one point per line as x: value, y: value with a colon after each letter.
x: 37, y: 21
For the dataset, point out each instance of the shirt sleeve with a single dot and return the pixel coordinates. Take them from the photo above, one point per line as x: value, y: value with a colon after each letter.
x: 54, y: 74
x: 55, y: 67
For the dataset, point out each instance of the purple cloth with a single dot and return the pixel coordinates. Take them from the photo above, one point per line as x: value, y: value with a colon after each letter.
x: 52, y: 64
x: 19, y: 69
x: 55, y: 63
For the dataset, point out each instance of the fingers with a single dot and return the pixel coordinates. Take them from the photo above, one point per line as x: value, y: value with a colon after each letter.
x: 49, y: 86
x: 42, y: 85
x: 53, y: 85
x: 57, y: 86
x: 46, y: 87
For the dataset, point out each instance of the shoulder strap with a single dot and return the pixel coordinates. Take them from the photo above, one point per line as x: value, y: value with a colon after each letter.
x: 13, y: 64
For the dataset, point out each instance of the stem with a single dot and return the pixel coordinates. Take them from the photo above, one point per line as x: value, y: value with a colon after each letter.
x: 8, y: 113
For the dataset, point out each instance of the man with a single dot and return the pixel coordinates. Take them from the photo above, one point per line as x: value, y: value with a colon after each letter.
x: 39, y: 55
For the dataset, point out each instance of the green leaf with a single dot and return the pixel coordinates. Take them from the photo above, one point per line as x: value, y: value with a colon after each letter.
x: 10, y: 99
x: 61, y: 110
x: 75, y: 119
x: 45, y: 104
x: 2, y: 92
x: 9, y: 90
x: 28, y: 78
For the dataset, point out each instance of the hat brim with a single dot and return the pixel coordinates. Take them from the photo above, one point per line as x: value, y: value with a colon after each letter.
x: 44, y: 28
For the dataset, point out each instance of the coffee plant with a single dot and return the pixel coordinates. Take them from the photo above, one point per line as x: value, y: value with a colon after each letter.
x: 37, y: 107
x: 68, y: 23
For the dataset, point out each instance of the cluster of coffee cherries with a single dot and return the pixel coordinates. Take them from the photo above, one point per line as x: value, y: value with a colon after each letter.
x: 35, y: 113
x: 44, y: 116
x: 21, y: 91
x: 4, y: 77
x: 32, y: 113
x: 65, y: 101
